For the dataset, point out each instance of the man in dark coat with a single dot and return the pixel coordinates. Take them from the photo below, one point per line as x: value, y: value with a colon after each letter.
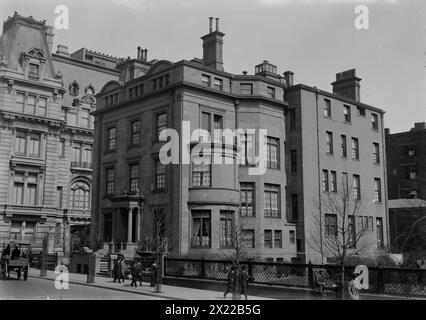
x: 134, y: 274
x: 116, y: 271
x: 231, y: 281
x: 16, y: 253
x: 154, y: 269
x: 6, y: 251
x: 244, y: 277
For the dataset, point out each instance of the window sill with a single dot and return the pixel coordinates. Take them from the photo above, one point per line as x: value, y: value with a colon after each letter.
x: 270, y: 217
x: 132, y: 146
x: 347, y: 122
x: 199, y: 187
x: 329, y: 154
x: 355, y: 159
x: 377, y: 202
x: 328, y: 117
x: 375, y: 130
x: 159, y: 190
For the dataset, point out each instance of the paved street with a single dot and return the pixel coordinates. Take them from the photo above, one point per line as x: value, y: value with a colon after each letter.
x: 42, y: 289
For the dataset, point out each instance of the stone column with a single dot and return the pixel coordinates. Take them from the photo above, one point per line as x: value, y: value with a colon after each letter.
x: 138, y: 225
x: 114, y: 224
x: 129, y: 226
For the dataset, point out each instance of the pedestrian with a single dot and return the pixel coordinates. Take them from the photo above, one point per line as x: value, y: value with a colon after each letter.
x: 244, y: 278
x: 124, y: 270
x: 154, y: 271
x: 134, y: 274
x: 116, y: 271
x: 139, y: 272
x: 231, y: 281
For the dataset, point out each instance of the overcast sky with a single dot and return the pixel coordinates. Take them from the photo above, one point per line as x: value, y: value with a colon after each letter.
x: 313, y: 38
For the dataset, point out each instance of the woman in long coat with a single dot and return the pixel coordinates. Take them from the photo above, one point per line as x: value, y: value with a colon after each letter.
x: 231, y: 281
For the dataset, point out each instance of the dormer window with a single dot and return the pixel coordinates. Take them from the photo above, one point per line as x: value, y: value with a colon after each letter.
x: 34, y: 72
x: 74, y: 88
x: 90, y: 89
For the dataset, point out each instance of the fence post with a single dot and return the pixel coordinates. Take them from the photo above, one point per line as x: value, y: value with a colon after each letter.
x: 42, y: 262
x: 380, y: 283
x: 91, y: 268
x: 310, y: 274
x: 203, y: 269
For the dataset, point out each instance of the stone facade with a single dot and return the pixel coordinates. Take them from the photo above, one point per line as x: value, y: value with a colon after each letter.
x: 46, y: 133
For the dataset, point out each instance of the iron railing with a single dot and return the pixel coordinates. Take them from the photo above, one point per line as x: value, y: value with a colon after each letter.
x: 395, y: 281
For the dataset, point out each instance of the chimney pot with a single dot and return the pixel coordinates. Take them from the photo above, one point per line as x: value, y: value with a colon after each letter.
x: 139, y: 53
x: 211, y: 25
x: 146, y: 55
x: 244, y: 72
x: 288, y: 76
x: 217, y: 24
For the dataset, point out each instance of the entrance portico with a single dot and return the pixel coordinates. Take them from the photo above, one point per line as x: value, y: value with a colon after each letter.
x: 127, y: 211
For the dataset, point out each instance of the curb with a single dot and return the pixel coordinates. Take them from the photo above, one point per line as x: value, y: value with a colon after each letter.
x: 111, y: 288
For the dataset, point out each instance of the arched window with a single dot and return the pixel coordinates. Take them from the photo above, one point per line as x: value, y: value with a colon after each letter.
x: 80, y: 196
x: 74, y: 88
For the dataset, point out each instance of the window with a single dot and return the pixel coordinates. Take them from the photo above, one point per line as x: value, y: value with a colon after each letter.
x: 34, y: 145
x: 248, y: 238
x: 293, y: 161
x: 133, y: 178
x: 206, y: 125
x: 166, y: 80
x: 375, y: 121
x: 292, y: 119
x: 325, y: 182
x: 343, y: 146
x: 161, y: 120
x: 130, y: 93
x: 377, y: 190
x: 201, y: 227
x: 356, y: 187
x: 292, y: 237
x: 61, y: 147
x: 154, y: 84
x: 351, y: 231
x: 361, y: 111
x: 34, y: 72
x: 18, y: 188
x: 379, y: 229
x: 217, y: 127
x: 273, y: 153
x: 355, y: 149
x: 160, y: 175
x: 84, y: 118
x: 409, y: 150
x: 226, y: 228
x: 25, y: 188
x: 74, y: 88
x: 376, y: 153
x: 206, y: 80
x: 411, y: 172
x: 327, y: 108
x: 76, y: 153
x: 333, y: 181
x: 42, y: 106
x: 271, y: 195
x: 218, y: 84
x: 140, y: 89
x: 331, y: 225
x: 110, y: 181
x: 294, y: 207
x: 20, y: 142
x: 87, y: 156
x: 247, y: 200
x: 329, y: 142
x: 347, y: 113
x: 160, y: 82
x: 271, y: 92
x: 20, y: 101
x: 298, y: 245
x: 201, y: 175
x: 111, y: 139
x: 345, y: 183
x: 60, y: 194
x: 278, y: 239
x: 268, y: 239
x: 135, y: 132
x: 247, y: 155
x: 246, y: 88
x: 31, y: 104
x: 80, y: 196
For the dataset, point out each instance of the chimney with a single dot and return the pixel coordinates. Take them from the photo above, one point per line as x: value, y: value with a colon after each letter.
x: 145, y: 57
x: 288, y: 76
x: 419, y: 126
x: 387, y: 131
x: 139, y: 53
x: 62, y: 50
x: 49, y: 38
x: 347, y: 85
x: 213, y: 47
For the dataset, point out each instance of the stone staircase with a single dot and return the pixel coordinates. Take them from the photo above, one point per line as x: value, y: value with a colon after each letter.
x: 103, y: 267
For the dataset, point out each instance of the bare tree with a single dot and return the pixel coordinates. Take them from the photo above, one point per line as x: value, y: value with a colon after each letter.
x: 336, y: 235
x: 239, y: 248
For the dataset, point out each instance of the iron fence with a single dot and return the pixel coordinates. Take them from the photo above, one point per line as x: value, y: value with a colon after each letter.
x: 395, y: 281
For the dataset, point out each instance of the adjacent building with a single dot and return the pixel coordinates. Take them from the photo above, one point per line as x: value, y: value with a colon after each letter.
x: 46, y: 134
x: 334, y: 141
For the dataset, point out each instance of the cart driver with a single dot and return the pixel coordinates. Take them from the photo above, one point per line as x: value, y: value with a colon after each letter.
x: 6, y: 251
x: 16, y: 253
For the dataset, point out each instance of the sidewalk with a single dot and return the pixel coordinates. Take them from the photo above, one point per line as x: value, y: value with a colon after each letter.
x: 168, y: 292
